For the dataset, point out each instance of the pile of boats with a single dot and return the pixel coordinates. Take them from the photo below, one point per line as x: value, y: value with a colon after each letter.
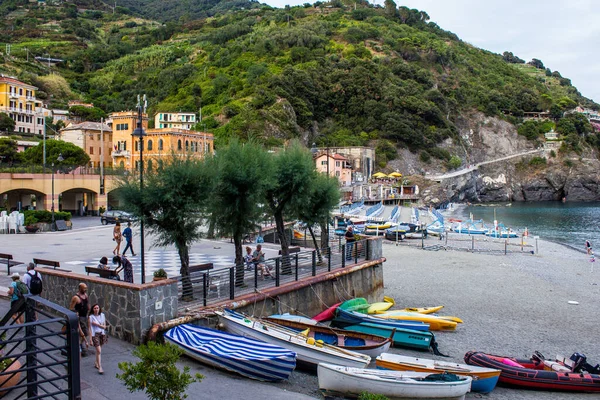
x: 358, y: 337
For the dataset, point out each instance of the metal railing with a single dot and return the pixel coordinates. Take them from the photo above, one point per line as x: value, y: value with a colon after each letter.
x: 213, y: 286
x: 43, y: 351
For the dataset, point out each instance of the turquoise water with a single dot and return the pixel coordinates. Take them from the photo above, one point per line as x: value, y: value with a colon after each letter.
x: 568, y: 223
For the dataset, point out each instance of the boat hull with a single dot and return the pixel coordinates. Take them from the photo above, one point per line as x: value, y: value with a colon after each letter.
x: 533, y: 375
x: 484, y: 379
x: 310, y: 355
x: 353, y: 318
x: 264, y: 362
x: 336, y: 380
x: 368, y: 344
x: 420, y: 340
x: 435, y: 323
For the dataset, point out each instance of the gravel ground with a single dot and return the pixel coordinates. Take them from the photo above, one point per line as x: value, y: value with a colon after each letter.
x: 511, y: 304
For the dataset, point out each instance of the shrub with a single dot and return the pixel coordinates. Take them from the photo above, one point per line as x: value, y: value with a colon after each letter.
x: 156, y: 373
x: 454, y: 162
x: 537, y: 161
x: 160, y: 273
x: 552, y: 153
x: 425, y: 157
x: 568, y: 163
x: 371, y: 396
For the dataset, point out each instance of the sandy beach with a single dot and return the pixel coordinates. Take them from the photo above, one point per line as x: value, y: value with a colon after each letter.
x: 511, y: 305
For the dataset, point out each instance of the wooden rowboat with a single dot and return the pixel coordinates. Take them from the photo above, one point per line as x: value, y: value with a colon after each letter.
x: 484, y: 379
x: 308, y: 351
x: 371, y: 345
x: 346, y: 381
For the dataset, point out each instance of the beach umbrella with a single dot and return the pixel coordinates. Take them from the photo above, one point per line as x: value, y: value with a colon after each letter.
x: 395, y: 175
x: 379, y: 175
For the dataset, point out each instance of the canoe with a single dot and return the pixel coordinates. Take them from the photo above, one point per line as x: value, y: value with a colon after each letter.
x: 420, y: 340
x: 364, y: 343
x: 436, y: 323
x: 423, y: 310
x: 359, y: 304
x: 353, y: 317
x: 484, y: 379
x: 532, y: 373
x: 384, y: 305
x: 327, y: 314
x: 342, y: 381
x: 308, y: 351
x: 247, y: 357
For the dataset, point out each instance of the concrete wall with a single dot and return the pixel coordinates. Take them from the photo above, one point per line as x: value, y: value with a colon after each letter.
x: 131, y: 309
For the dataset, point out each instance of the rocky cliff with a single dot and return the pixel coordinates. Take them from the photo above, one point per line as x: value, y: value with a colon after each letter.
x: 483, y: 139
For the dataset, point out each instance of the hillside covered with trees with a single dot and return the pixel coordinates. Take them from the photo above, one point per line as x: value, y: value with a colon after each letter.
x: 339, y: 73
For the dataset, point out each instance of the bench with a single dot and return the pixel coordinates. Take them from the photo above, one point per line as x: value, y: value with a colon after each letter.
x: 104, y: 273
x: 200, y: 267
x: 49, y: 263
x: 292, y: 250
x: 8, y: 259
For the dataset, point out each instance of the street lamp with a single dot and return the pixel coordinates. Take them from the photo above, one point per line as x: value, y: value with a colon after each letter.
x: 59, y: 159
x: 139, y: 132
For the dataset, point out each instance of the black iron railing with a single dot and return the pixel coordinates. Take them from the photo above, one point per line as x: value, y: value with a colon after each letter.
x: 220, y: 284
x: 42, y: 351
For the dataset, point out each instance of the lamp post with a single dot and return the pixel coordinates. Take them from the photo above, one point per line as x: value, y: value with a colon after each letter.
x: 59, y: 159
x: 139, y: 132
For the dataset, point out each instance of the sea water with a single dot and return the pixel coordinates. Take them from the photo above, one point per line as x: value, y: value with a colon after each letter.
x: 569, y: 223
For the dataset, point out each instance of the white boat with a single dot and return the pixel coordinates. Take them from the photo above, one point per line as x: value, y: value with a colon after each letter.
x: 347, y: 381
x: 308, y: 351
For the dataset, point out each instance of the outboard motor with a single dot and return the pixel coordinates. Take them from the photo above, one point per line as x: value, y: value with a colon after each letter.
x: 579, y: 361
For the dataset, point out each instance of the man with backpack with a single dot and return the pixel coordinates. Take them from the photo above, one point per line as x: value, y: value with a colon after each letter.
x: 33, y: 280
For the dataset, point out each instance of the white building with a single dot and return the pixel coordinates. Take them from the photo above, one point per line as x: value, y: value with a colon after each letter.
x: 180, y: 120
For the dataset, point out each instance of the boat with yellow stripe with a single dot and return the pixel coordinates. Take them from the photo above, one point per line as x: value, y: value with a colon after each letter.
x: 436, y: 322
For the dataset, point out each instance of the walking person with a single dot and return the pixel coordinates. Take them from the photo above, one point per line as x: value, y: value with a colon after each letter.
x: 124, y: 264
x: 81, y: 306
x: 128, y: 235
x: 16, y: 290
x: 117, y: 238
x: 33, y: 280
x: 588, y: 247
x: 349, y: 235
x: 98, y: 325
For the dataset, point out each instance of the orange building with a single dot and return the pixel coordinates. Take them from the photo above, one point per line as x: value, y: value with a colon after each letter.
x: 158, y: 143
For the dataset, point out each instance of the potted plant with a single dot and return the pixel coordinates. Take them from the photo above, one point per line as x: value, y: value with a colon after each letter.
x: 30, y: 224
x: 160, y: 274
x: 8, y: 365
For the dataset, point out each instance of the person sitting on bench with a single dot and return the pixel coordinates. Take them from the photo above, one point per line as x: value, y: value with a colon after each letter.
x: 258, y: 258
x: 103, y: 264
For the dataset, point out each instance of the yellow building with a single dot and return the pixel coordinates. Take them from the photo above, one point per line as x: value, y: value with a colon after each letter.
x: 158, y: 143
x: 17, y: 99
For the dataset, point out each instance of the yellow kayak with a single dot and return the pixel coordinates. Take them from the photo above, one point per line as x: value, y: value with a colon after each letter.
x: 423, y: 310
x: 436, y: 323
x: 379, y: 226
x: 386, y: 304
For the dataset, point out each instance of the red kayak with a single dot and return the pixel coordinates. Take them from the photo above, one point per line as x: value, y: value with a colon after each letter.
x: 537, y: 373
x: 327, y: 314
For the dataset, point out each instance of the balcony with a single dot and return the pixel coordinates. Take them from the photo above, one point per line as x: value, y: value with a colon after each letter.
x: 120, y: 153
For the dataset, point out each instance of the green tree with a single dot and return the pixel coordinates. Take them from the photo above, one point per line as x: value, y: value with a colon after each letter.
x: 7, y: 124
x: 323, y: 197
x: 390, y: 8
x: 454, y: 162
x: 289, y: 189
x: 156, y: 373
x: 8, y: 151
x: 73, y: 156
x: 87, y: 113
x: 172, y: 206
x: 242, y: 175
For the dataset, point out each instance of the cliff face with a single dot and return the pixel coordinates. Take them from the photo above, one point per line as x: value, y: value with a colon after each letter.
x: 484, y: 139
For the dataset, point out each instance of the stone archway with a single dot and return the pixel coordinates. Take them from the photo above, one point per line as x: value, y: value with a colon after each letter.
x: 23, y: 199
x: 79, y: 201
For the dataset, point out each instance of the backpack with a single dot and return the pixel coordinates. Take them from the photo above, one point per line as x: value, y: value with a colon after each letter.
x: 21, y: 289
x: 35, y: 283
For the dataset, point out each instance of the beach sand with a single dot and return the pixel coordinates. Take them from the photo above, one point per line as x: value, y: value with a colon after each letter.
x: 511, y: 304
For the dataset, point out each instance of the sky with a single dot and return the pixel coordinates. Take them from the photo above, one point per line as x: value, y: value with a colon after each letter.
x: 560, y: 33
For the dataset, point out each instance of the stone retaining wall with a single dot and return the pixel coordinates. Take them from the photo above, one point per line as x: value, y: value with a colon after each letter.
x: 131, y: 309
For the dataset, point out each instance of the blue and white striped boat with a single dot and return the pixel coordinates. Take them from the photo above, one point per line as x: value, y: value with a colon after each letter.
x: 248, y: 357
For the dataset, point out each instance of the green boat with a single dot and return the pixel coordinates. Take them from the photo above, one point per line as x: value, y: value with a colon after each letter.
x: 420, y: 340
x: 359, y: 304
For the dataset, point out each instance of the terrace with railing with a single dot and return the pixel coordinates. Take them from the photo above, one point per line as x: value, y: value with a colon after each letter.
x: 216, y: 285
